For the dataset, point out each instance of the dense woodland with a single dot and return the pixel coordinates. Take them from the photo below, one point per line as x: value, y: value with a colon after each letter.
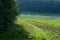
x: 48, y: 6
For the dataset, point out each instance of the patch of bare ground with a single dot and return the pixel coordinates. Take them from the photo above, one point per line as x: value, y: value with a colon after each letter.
x: 47, y: 27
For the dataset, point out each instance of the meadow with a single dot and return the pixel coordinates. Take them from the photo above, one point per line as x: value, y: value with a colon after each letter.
x: 41, y: 26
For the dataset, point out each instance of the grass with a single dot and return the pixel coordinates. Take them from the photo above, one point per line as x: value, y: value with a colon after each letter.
x: 36, y: 33
x: 53, y: 20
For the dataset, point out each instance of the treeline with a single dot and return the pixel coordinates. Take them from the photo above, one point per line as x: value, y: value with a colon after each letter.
x: 52, y: 6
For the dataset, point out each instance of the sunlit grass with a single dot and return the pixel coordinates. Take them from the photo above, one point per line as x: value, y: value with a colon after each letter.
x: 37, y: 33
x: 51, y: 20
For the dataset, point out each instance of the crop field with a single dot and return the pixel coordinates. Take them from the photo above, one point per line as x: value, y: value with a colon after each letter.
x: 41, y: 26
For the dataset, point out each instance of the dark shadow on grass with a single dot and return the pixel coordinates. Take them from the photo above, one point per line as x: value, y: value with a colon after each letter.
x: 15, y: 32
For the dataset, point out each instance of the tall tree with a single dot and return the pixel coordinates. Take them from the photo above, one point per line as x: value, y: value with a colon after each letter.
x: 8, y: 13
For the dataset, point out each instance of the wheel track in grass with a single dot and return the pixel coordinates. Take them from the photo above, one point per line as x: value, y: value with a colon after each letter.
x: 47, y: 27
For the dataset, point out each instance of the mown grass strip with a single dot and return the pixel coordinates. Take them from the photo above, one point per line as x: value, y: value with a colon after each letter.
x: 38, y: 33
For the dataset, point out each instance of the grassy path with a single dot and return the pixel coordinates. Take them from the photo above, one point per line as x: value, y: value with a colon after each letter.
x: 37, y: 33
x: 47, y: 27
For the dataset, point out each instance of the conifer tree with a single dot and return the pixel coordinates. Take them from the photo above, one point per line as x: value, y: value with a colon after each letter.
x: 8, y: 13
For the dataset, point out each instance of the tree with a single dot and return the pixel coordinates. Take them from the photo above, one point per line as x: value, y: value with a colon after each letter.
x: 8, y: 13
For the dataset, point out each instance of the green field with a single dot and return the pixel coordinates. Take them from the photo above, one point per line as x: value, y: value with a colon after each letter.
x: 40, y: 26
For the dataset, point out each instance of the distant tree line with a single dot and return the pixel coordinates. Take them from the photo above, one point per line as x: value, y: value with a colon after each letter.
x: 51, y: 6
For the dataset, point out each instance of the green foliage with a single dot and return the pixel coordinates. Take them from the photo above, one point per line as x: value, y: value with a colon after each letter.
x: 15, y: 34
x: 8, y: 29
x: 8, y: 13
